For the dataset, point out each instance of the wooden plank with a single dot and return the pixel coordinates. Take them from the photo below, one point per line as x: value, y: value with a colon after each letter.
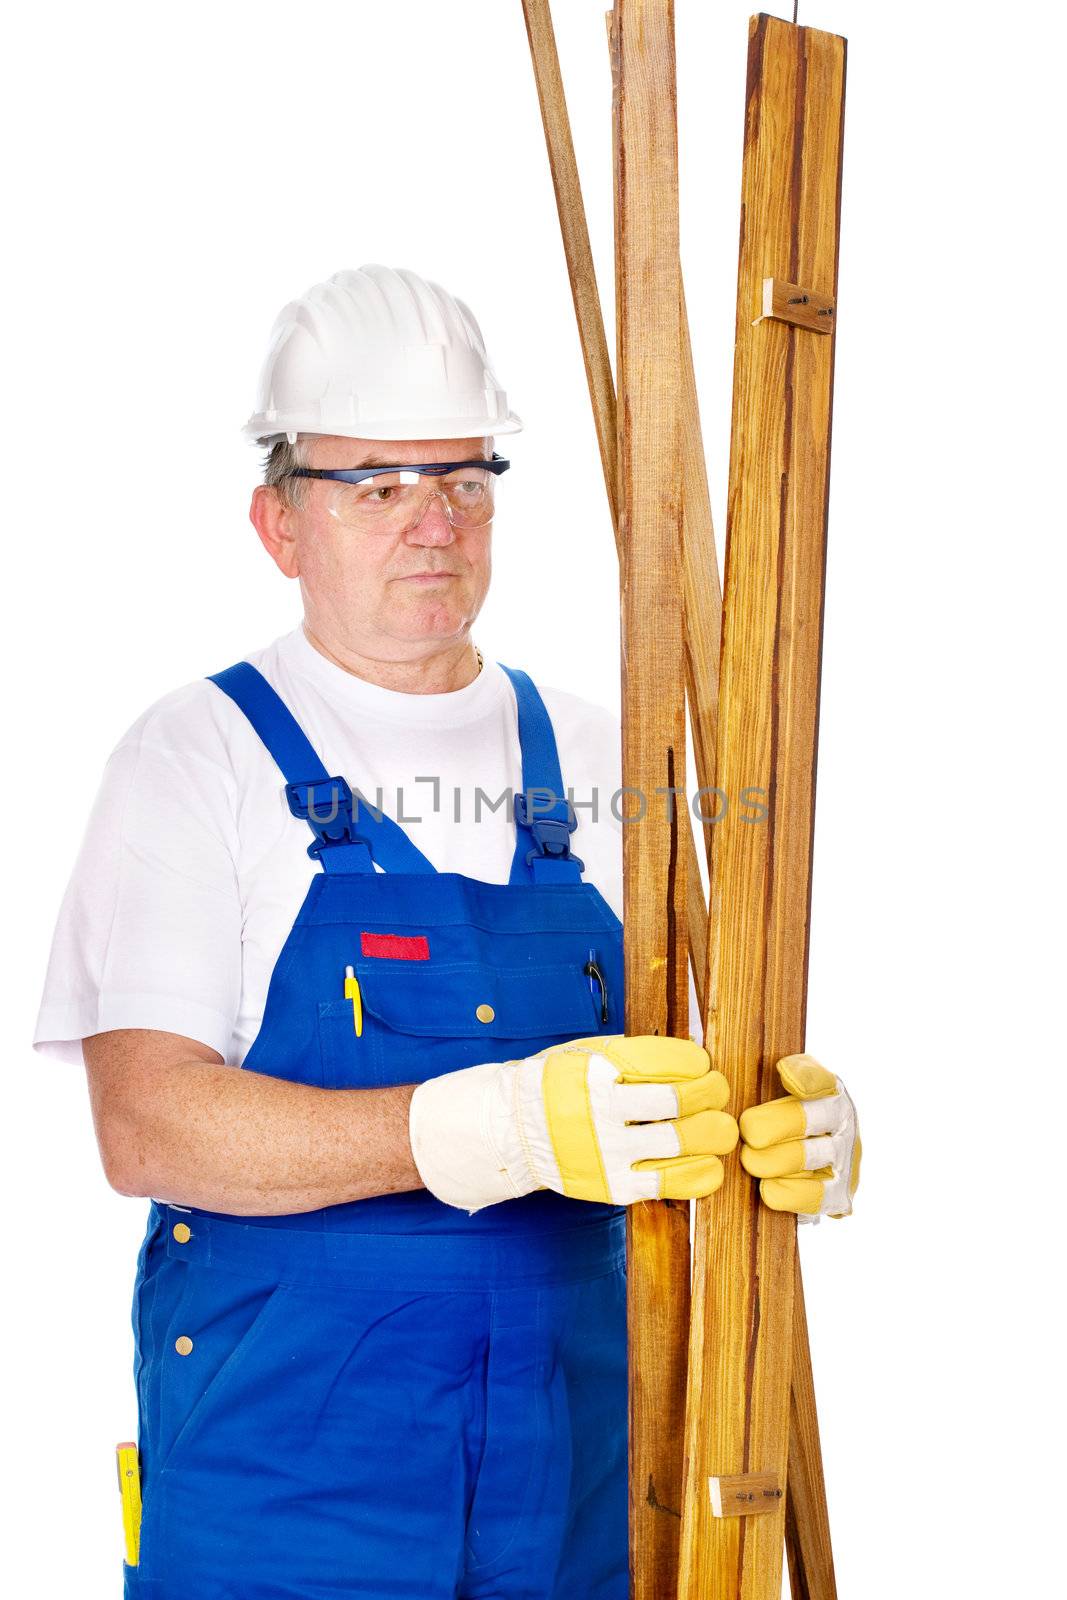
x: 701, y: 588
x: 576, y: 246
x: 807, y: 1523
x: 737, y: 1418
x: 809, y: 1542
x: 655, y: 863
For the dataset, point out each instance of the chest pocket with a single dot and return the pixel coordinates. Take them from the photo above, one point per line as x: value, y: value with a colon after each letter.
x: 420, y: 1020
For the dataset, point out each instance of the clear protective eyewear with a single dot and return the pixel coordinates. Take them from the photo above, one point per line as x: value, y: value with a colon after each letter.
x: 394, y: 499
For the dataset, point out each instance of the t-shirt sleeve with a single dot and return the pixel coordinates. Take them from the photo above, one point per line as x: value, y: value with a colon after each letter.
x: 149, y: 932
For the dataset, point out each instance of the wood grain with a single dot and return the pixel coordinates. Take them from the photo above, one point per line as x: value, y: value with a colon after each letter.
x: 655, y: 862
x: 738, y: 1413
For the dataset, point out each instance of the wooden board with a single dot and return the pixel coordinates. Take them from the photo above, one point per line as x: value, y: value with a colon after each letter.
x: 655, y: 861
x: 807, y: 1525
x: 737, y: 1418
x: 577, y: 249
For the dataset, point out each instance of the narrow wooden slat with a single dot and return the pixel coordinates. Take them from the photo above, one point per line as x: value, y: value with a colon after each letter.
x: 807, y: 1525
x: 738, y: 1414
x: 702, y: 591
x: 698, y: 923
x: 655, y: 861
x: 576, y: 246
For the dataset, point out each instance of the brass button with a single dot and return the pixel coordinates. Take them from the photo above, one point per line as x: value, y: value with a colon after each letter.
x: 182, y: 1232
x: 485, y: 1013
x: 183, y: 1345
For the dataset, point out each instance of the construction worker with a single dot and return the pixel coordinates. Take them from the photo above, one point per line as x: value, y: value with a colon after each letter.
x: 379, y: 1306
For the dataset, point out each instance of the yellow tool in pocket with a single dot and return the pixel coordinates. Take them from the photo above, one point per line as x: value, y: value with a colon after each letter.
x: 130, y: 1489
x: 352, y: 992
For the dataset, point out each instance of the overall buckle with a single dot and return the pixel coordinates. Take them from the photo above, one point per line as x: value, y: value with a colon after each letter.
x: 551, y: 833
x: 325, y: 804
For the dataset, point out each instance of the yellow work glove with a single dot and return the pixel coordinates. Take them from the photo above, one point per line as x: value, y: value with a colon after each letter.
x: 613, y: 1118
x: 804, y: 1148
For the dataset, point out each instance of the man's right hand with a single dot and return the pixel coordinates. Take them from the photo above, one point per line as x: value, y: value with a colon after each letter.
x: 613, y: 1119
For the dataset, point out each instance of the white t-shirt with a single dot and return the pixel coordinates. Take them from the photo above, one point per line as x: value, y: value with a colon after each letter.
x: 193, y: 869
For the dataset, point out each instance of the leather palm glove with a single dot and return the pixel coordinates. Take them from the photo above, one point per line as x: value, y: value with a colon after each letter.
x: 613, y: 1118
x: 804, y: 1148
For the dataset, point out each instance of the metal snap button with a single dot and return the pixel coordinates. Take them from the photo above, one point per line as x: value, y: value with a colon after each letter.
x: 182, y: 1232
x: 485, y: 1013
x: 183, y: 1345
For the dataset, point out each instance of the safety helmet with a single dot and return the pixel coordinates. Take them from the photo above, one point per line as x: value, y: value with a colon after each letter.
x: 379, y: 353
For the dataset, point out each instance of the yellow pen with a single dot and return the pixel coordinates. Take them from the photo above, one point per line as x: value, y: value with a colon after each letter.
x: 130, y: 1488
x: 352, y: 993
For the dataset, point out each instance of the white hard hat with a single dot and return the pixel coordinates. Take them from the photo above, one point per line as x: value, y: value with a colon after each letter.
x: 379, y: 353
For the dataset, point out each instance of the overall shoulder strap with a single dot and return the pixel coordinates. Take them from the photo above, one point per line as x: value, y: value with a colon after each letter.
x: 544, y: 817
x: 350, y: 835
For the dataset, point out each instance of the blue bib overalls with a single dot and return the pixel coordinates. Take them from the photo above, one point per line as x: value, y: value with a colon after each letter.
x: 392, y: 1398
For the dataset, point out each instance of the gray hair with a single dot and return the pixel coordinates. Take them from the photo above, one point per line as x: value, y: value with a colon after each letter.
x: 282, y: 457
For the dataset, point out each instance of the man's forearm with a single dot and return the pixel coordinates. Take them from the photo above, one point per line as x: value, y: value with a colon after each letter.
x: 209, y: 1135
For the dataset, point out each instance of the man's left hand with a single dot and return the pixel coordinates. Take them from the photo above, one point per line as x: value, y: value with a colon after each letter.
x: 804, y: 1148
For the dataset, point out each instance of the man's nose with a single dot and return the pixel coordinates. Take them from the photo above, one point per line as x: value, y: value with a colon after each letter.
x: 433, y: 527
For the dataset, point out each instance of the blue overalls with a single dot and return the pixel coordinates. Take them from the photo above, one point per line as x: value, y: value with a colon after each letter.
x: 392, y: 1398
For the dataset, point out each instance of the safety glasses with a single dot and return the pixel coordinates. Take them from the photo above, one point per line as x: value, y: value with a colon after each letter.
x: 392, y: 499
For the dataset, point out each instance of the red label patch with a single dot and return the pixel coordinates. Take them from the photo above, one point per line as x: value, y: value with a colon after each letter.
x: 395, y: 946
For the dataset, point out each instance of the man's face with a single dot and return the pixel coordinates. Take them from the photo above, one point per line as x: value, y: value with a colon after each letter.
x: 386, y: 595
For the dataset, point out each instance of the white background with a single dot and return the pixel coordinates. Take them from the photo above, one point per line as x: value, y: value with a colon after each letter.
x: 177, y: 173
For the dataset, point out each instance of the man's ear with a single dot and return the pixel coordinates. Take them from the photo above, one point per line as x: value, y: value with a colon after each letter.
x: 273, y: 521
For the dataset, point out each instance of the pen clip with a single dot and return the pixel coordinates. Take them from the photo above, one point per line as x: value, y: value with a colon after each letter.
x: 595, y: 975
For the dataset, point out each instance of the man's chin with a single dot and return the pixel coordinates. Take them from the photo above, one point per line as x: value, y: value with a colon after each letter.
x: 430, y: 627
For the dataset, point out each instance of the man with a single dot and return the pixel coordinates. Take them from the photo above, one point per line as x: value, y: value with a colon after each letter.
x: 379, y: 1307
